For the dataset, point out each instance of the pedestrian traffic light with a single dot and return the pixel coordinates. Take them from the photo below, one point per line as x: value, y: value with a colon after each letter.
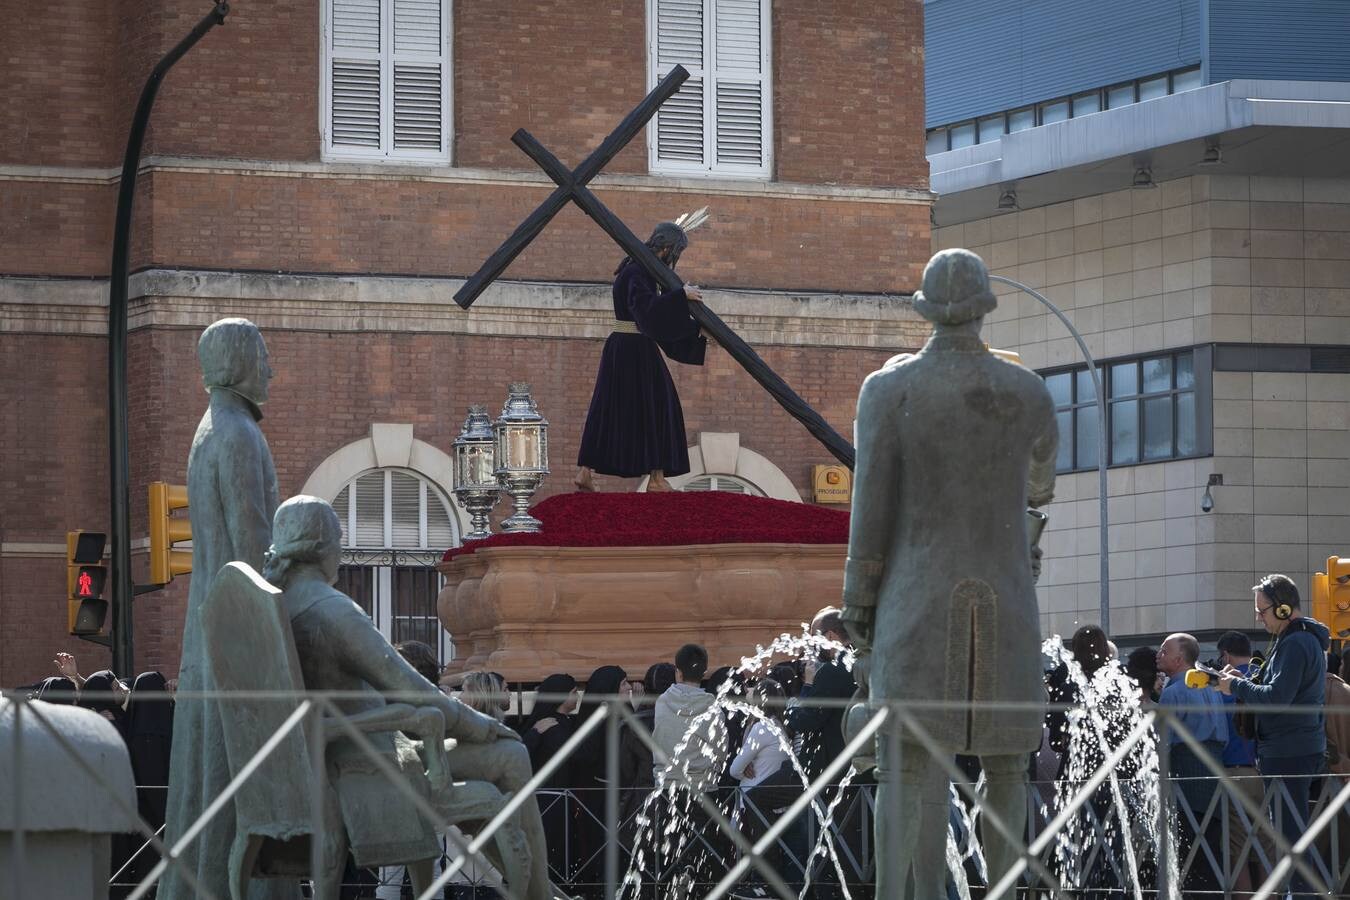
x: 166, y: 529
x: 86, y: 574
x: 1331, y: 597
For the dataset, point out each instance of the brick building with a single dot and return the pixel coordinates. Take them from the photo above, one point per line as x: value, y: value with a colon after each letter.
x: 333, y: 169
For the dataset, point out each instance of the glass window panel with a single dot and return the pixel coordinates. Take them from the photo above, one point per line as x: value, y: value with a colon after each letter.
x: 1064, y: 453
x: 1085, y: 437
x: 1124, y: 379
x: 1186, y: 81
x: 1021, y: 119
x: 991, y: 128
x: 1059, y: 110
x: 1158, y: 428
x: 1121, y: 95
x: 937, y: 142
x: 1061, y: 388
x: 1086, y: 393
x: 1186, y: 424
x: 963, y: 135
x: 1157, y: 374
x: 1125, y: 432
x: 1185, y: 372
x: 1152, y: 88
x: 1086, y: 104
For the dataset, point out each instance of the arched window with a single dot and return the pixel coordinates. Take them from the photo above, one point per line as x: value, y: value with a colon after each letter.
x: 395, y: 526
x: 729, y: 483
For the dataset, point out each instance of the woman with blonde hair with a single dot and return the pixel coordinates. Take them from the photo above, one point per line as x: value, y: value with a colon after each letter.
x: 485, y: 692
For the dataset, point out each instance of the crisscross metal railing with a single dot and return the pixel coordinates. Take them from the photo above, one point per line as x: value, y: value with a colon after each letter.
x: 1228, y: 806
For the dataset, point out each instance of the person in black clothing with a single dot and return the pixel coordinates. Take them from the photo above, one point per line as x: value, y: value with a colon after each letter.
x: 149, y: 733
x: 102, y: 694
x: 635, y: 765
x: 591, y: 778
x: 57, y: 689
x: 547, y: 728
x: 635, y: 425
x: 820, y: 728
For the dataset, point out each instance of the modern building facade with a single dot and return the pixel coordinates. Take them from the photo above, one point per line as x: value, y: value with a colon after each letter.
x: 1174, y: 176
x: 334, y: 169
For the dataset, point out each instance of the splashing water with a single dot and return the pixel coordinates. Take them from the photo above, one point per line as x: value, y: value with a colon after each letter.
x: 700, y: 761
x: 1107, y: 708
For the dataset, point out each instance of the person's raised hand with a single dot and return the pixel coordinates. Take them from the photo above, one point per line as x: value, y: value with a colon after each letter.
x: 692, y: 292
x: 66, y: 666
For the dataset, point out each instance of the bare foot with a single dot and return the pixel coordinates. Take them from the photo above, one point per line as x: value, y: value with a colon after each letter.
x: 583, y: 481
x: 657, y: 484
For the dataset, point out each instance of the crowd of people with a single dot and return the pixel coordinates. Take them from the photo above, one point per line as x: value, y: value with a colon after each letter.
x: 1262, y: 718
x: 1275, y: 725
x: 142, y: 713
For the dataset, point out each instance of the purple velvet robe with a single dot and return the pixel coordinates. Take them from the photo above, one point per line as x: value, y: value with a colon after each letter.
x: 635, y: 423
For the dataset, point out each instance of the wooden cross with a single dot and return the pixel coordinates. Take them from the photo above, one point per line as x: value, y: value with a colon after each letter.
x: 572, y: 188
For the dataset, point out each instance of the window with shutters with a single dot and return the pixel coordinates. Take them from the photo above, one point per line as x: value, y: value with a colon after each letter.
x: 386, y: 80
x: 728, y: 483
x: 395, y: 527
x: 719, y: 122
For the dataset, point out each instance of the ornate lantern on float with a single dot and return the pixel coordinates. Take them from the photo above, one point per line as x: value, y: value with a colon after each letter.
x: 476, y: 486
x: 522, y: 455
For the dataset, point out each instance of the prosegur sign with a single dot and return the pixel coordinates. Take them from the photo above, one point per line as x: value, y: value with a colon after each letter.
x: 831, y: 484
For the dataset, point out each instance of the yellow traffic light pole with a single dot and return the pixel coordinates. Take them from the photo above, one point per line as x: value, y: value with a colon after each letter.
x: 166, y: 529
x: 1331, y: 597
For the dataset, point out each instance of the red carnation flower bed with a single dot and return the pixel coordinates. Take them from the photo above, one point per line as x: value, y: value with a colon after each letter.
x: 668, y: 519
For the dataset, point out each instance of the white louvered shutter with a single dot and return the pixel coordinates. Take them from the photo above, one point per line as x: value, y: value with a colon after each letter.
x: 738, y: 86
x: 405, y: 511
x: 388, y: 63
x: 419, y: 66
x: 355, y: 39
x: 719, y: 119
x: 679, y: 38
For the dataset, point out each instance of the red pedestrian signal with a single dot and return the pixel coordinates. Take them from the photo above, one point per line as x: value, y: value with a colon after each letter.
x: 86, y: 575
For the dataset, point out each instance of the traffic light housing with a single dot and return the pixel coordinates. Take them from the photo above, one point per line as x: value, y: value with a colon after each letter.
x: 166, y: 529
x: 1331, y: 597
x: 86, y: 576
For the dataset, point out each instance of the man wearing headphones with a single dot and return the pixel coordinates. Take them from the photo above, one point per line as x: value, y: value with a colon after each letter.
x: 1290, y: 746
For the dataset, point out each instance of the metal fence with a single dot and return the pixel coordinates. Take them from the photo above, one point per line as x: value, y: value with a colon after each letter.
x: 762, y: 840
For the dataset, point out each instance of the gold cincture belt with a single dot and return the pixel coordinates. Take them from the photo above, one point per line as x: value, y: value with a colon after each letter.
x: 618, y: 326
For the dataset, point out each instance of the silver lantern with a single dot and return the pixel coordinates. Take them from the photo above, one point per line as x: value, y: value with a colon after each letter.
x: 476, y: 486
x: 522, y: 454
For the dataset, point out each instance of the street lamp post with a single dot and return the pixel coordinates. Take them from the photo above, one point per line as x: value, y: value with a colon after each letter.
x: 1104, y: 550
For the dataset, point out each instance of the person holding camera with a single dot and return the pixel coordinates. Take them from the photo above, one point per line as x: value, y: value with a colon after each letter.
x: 1290, y: 746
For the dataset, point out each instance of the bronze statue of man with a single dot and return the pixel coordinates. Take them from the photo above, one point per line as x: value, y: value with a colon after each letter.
x: 953, y: 446
x: 232, y: 496
x: 340, y: 651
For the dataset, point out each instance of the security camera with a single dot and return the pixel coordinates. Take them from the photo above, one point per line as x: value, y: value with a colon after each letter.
x: 1206, y: 502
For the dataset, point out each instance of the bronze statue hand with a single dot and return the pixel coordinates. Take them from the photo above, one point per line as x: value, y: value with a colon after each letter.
x: 858, y: 621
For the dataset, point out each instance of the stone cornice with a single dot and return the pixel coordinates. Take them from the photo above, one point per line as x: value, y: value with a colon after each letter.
x: 347, y: 303
x: 345, y: 171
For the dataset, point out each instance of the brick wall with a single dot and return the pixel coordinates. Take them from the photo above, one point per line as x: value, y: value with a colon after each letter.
x: 236, y: 221
x: 849, y: 83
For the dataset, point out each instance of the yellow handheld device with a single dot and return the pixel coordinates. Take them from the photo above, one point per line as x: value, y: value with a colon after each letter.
x: 1201, y: 676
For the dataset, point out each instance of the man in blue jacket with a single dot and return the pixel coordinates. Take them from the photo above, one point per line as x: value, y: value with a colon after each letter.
x: 1290, y: 746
